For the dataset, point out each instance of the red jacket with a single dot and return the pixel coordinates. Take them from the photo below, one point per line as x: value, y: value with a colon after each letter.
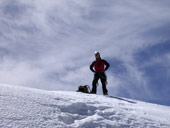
x: 99, y: 66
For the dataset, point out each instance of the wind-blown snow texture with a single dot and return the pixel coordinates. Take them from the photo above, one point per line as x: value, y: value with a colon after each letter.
x: 25, y: 107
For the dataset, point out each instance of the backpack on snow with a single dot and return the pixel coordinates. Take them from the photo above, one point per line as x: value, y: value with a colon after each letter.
x: 84, y: 89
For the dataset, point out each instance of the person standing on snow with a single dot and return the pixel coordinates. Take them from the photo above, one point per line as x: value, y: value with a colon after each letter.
x: 99, y: 66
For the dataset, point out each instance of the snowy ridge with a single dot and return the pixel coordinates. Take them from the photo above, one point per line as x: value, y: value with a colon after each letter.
x: 32, y: 108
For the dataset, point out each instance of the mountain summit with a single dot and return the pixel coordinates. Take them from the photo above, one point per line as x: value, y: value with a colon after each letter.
x: 25, y: 107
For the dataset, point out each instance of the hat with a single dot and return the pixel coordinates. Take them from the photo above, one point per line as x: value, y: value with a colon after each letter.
x: 97, y: 53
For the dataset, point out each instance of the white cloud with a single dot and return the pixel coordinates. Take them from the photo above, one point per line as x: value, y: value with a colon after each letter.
x: 52, y: 42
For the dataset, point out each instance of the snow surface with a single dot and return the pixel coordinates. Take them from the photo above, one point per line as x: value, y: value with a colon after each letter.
x: 22, y: 107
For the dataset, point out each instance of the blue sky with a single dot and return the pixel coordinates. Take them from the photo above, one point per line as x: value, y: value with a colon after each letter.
x: 50, y: 45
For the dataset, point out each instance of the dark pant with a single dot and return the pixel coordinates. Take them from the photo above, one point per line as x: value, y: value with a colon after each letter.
x: 103, y: 79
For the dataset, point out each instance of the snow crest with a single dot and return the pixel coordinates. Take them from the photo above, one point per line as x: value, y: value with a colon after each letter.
x: 25, y: 107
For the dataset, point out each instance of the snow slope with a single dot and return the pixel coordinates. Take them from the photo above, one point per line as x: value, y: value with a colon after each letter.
x: 32, y: 108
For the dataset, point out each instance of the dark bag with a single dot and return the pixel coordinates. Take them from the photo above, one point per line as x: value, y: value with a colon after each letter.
x: 84, y: 89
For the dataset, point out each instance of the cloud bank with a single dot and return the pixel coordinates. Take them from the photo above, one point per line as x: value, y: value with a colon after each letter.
x: 50, y: 44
